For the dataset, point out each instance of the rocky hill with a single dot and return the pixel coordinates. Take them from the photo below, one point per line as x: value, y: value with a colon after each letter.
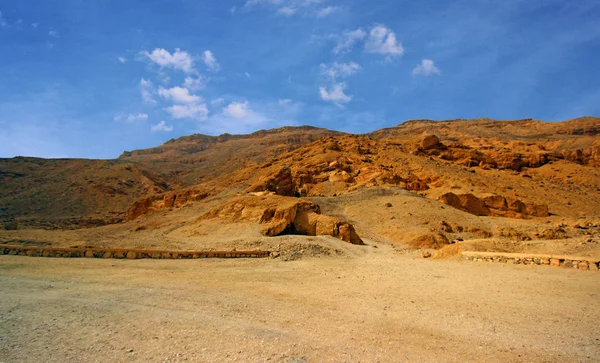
x: 422, y: 183
x: 189, y: 160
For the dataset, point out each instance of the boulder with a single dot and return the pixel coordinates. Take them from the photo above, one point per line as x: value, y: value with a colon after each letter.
x: 430, y: 142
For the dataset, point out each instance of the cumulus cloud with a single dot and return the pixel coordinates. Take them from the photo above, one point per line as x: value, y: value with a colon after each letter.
x: 335, y: 94
x: 193, y: 111
x: 193, y: 84
x: 178, y: 95
x: 121, y: 59
x: 146, y: 90
x: 339, y: 70
x: 237, y: 110
x: 179, y: 60
x: 211, y: 62
x: 53, y: 33
x: 161, y: 126
x: 383, y: 41
x: 347, y: 40
x: 425, y: 68
x: 132, y: 117
x: 326, y: 11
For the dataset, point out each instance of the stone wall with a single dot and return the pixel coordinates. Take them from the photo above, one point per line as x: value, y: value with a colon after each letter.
x: 576, y: 262
x: 124, y: 253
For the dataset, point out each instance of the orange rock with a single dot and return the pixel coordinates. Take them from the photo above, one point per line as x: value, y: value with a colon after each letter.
x: 430, y: 142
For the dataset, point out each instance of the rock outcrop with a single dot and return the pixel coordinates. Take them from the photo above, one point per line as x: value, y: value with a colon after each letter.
x: 284, y: 215
x: 165, y: 201
x: 494, y: 205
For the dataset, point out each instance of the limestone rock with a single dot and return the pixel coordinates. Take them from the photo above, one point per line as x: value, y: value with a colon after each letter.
x: 280, y: 215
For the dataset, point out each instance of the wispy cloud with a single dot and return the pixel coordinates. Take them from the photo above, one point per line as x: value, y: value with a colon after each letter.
x: 193, y: 84
x: 294, y: 7
x: 211, y: 61
x: 339, y: 70
x: 132, y: 117
x: 146, y: 90
x: 326, y: 11
x: 121, y: 59
x: 178, y: 95
x: 161, y: 126
x: 426, y: 68
x: 53, y: 33
x: 191, y: 111
x: 347, y: 40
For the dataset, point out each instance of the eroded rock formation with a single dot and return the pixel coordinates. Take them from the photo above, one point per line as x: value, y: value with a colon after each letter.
x: 284, y: 215
x: 494, y: 205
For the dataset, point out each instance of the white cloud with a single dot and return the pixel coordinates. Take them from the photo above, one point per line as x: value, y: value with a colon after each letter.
x: 383, y: 41
x: 217, y: 102
x: 293, y: 7
x: 284, y: 102
x: 180, y: 60
x: 35, y: 25
x: 340, y: 70
x: 248, y: 75
x: 211, y: 62
x: 326, y: 11
x: 193, y: 84
x: 146, y: 89
x: 53, y: 33
x: 287, y: 10
x: 178, y: 95
x: 237, y: 110
x: 121, y: 59
x: 425, y: 68
x: 347, y: 40
x: 335, y: 94
x: 132, y: 117
x: 161, y: 126
x: 195, y: 111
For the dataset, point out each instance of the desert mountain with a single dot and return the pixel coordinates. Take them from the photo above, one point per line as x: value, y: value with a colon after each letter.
x: 422, y: 183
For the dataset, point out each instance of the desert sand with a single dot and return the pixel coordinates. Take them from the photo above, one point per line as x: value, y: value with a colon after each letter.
x: 363, y: 305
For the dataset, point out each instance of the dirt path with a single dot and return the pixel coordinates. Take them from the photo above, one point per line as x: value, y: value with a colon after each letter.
x: 382, y: 306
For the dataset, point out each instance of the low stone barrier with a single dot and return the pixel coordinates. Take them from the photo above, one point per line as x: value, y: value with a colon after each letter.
x: 124, y: 253
x: 576, y: 262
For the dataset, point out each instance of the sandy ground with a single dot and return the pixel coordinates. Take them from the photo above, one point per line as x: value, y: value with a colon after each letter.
x: 368, y: 305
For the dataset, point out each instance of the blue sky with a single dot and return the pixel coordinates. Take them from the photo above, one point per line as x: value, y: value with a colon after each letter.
x: 93, y: 78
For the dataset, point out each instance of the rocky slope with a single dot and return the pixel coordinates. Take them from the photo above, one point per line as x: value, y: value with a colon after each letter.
x: 422, y: 183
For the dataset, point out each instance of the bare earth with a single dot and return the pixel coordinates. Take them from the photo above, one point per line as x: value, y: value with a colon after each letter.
x: 366, y: 304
